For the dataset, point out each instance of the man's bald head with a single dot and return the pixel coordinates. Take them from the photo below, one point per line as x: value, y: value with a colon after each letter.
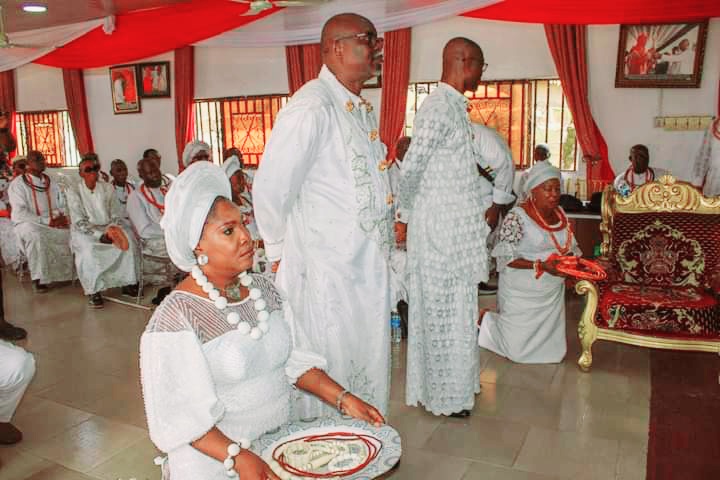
x: 464, y: 62
x: 351, y: 49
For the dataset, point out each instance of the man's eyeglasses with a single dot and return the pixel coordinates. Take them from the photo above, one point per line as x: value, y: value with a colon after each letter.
x: 371, y: 38
x: 93, y: 169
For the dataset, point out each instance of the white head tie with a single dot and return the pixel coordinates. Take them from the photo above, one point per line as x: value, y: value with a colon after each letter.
x: 540, y: 173
x: 231, y: 166
x: 192, y: 149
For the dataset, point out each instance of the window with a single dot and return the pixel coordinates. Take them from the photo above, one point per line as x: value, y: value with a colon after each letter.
x: 524, y: 112
x: 50, y: 133
x: 243, y: 122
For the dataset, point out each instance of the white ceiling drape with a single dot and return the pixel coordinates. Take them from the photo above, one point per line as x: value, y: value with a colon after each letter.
x: 43, y: 41
x: 295, y: 26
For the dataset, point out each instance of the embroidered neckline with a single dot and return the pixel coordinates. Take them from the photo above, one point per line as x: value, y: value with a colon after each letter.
x: 151, y: 198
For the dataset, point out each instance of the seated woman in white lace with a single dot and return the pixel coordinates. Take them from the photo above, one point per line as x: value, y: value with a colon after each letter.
x: 219, y: 356
x: 529, y: 326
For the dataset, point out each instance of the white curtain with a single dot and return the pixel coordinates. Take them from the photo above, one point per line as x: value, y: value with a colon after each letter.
x: 301, y: 25
x: 41, y: 41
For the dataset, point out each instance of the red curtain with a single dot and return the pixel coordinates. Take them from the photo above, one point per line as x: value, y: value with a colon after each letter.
x: 567, y: 45
x: 303, y: 64
x: 7, y: 100
x: 144, y: 33
x: 184, y: 96
x: 598, y: 11
x: 396, y: 75
x: 77, y: 108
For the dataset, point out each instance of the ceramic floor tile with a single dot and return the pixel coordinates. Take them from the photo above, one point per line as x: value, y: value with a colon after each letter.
x: 485, y: 471
x: 133, y: 462
x: 89, y: 444
x: 536, y: 377
x: 632, y: 460
x: 427, y: 465
x: 542, y: 409
x: 478, y: 438
x: 80, y: 391
x: 58, y: 472
x: 415, y: 428
x: 44, y: 419
x: 568, y: 455
x: 16, y: 464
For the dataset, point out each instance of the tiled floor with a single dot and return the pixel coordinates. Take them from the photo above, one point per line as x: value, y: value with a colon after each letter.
x: 83, y: 418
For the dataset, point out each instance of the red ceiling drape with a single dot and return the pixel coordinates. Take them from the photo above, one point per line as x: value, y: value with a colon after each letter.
x: 568, y: 49
x: 7, y: 100
x: 303, y: 64
x: 598, y: 11
x: 145, y: 33
x: 396, y: 75
x: 74, y: 85
x: 184, y: 96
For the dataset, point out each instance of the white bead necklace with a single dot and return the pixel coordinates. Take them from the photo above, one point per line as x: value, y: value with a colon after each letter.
x: 233, y: 318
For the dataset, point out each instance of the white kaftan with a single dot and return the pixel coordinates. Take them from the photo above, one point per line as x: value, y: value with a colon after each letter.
x: 447, y: 257
x: 323, y: 205
x: 198, y: 372
x: 122, y: 193
x: 530, y: 324
x: 17, y: 368
x: 9, y: 247
x: 47, y: 249
x: 145, y: 220
x: 706, y: 170
x: 630, y: 180
x: 495, y: 157
x: 99, y: 265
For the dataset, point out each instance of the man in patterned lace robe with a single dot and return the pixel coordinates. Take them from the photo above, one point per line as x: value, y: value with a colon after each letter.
x: 447, y: 256
x: 323, y: 206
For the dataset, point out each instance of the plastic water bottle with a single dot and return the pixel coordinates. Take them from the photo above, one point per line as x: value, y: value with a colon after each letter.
x: 395, y: 327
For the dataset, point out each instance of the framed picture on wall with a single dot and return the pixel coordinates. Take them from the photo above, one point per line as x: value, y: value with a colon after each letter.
x: 123, y: 85
x: 154, y: 79
x: 661, y: 55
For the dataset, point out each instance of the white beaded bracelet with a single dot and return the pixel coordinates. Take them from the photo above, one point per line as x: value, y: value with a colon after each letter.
x: 233, y: 450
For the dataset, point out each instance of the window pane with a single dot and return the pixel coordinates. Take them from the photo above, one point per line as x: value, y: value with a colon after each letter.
x: 50, y: 133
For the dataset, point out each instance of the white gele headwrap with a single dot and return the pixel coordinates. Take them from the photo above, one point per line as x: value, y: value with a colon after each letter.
x: 192, y: 149
x: 187, y: 205
x: 540, y: 173
x: 231, y: 166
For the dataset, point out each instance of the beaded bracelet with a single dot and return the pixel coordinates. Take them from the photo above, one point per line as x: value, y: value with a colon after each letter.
x: 233, y: 450
x: 338, y: 401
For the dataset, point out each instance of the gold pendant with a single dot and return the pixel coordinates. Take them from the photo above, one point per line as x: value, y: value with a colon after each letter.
x: 349, y: 106
x: 390, y: 199
x: 373, y: 135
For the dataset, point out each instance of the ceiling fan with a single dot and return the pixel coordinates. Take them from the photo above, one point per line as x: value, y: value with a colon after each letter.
x: 257, y: 6
x: 5, y: 41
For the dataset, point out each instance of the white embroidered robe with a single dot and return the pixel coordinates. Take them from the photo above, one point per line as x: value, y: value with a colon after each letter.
x: 47, y: 249
x: 145, y: 220
x: 99, y: 265
x: 323, y: 205
x: 447, y: 257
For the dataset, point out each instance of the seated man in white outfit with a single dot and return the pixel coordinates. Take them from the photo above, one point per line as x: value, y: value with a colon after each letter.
x: 639, y: 173
x: 105, y: 251
x: 145, y: 207
x: 122, y: 185
x: 154, y: 155
x: 17, y: 368
x: 40, y: 224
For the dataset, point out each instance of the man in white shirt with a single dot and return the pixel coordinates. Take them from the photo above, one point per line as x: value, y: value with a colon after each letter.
x: 154, y: 155
x: 122, y: 185
x: 40, y: 224
x: 706, y: 169
x: 323, y: 206
x: 639, y: 173
x: 105, y: 252
x: 446, y: 242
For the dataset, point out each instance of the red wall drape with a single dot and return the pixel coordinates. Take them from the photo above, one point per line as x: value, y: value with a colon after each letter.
x: 74, y: 85
x: 568, y: 48
x: 396, y: 75
x: 7, y: 100
x: 303, y: 64
x: 184, y: 96
x: 598, y: 11
x: 144, y: 33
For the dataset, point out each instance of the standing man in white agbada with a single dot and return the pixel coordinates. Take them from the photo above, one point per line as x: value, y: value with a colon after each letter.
x: 40, y: 224
x: 106, y: 254
x: 447, y: 257
x: 323, y: 206
x: 706, y: 169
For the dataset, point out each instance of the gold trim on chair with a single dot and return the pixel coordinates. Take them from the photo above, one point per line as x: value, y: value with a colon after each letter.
x: 667, y: 194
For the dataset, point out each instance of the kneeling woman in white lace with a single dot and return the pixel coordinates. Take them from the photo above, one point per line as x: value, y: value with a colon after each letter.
x: 530, y: 324
x: 218, y: 357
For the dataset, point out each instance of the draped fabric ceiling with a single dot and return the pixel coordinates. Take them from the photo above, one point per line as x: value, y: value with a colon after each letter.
x: 140, y: 34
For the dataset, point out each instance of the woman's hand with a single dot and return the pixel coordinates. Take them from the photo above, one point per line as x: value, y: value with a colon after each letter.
x: 251, y: 467
x: 356, y: 408
x: 550, y: 266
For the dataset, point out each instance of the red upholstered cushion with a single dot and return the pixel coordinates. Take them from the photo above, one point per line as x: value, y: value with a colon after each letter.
x: 649, y: 309
x: 666, y: 248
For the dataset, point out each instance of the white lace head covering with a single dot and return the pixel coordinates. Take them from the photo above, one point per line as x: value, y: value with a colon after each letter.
x: 540, y: 173
x: 187, y: 205
x: 192, y: 149
x: 231, y: 166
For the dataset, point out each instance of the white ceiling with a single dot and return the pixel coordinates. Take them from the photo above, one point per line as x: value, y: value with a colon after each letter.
x: 70, y: 11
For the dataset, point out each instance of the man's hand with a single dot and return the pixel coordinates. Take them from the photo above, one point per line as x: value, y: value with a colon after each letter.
x: 492, y: 215
x: 550, y: 266
x: 61, y: 221
x: 275, y: 266
x: 400, y: 232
